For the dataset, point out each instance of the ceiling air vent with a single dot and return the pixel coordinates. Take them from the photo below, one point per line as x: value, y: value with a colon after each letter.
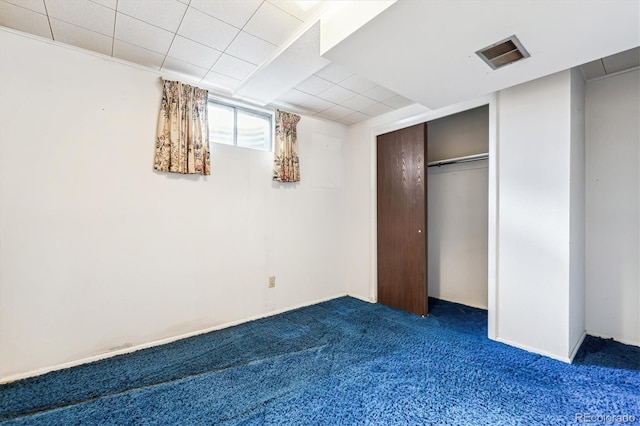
x: 503, y: 53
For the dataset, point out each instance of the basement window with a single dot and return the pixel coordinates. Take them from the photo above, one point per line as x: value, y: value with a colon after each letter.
x: 231, y: 124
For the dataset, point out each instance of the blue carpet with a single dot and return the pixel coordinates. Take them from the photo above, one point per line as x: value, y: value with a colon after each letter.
x: 339, y: 362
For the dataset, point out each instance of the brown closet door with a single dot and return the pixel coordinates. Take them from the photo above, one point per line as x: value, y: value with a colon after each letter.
x: 402, y: 230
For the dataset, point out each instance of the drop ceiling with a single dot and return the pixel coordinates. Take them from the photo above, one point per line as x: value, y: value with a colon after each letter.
x: 222, y: 45
x: 380, y: 58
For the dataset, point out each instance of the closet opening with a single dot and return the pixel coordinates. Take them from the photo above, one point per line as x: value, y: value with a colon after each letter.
x: 458, y: 214
x: 433, y: 213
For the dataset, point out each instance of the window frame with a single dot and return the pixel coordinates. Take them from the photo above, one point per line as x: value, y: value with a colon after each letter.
x: 260, y: 112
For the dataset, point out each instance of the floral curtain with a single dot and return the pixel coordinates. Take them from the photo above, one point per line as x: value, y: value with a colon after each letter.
x: 182, y: 145
x: 286, y: 163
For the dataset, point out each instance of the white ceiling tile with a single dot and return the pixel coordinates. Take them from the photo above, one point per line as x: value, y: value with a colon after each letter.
x: 142, y: 34
x: 204, y: 29
x: 136, y: 54
x: 234, y: 12
x: 336, y: 94
x: 250, y: 48
x: 193, y: 53
x: 314, y: 85
x: 180, y: 67
x: 301, y: 9
x: 81, y: 37
x: 315, y: 104
x: 111, y: 4
x: 357, y: 84
x: 358, y: 102
x: 185, y: 1
x: 293, y: 97
x: 233, y: 67
x: 85, y: 14
x: 309, y: 102
x: 33, y: 5
x: 336, y: 111
x: 354, y: 118
x: 398, y: 101
x: 222, y: 81
x: 334, y: 72
x: 21, y: 19
x: 165, y: 14
x: 379, y: 93
x: 272, y: 24
x: 377, y: 109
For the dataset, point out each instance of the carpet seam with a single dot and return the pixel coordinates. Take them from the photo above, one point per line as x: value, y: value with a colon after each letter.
x: 97, y: 398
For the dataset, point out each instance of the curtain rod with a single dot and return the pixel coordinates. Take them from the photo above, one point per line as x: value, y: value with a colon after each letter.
x: 465, y: 159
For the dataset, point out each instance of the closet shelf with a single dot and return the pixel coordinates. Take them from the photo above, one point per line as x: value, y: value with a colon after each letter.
x: 465, y: 159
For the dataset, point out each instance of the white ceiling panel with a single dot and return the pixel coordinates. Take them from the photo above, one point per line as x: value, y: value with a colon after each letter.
x: 251, y: 48
x: 81, y: 37
x: 358, y: 102
x: 111, y: 4
x: 205, y: 29
x: 336, y: 111
x: 357, y: 83
x: 315, y: 105
x: 142, y: 34
x: 234, y: 12
x: 222, y: 81
x: 336, y: 94
x: 284, y: 72
x: 233, y: 67
x: 334, y: 73
x: 272, y: 24
x: 377, y: 109
x: 166, y: 14
x: 86, y: 14
x: 33, y: 5
x: 194, y: 53
x: 356, y: 117
x: 180, y: 67
x: 314, y: 85
x: 136, y: 54
x: 379, y: 93
x: 301, y: 9
x: 21, y: 19
x: 293, y: 97
x: 309, y: 102
x: 398, y: 101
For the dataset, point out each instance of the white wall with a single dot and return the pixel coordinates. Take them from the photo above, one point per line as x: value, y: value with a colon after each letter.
x: 99, y: 252
x: 537, y: 143
x: 612, y: 207
x: 577, y: 325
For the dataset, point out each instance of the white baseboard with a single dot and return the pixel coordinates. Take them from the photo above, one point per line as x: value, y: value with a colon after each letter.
x: 465, y: 303
x: 158, y: 342
x: 574, y: 351
x: 364, y: 299
x: 535, y: 351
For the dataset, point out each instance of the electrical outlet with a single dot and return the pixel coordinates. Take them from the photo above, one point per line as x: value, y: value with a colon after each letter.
x: 272, y: 282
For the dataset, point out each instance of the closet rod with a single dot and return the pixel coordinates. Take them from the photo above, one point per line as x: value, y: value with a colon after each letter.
x: 465, y: 159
